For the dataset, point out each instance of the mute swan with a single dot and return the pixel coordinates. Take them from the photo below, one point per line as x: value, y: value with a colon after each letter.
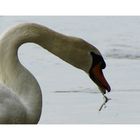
x: 20, y: 94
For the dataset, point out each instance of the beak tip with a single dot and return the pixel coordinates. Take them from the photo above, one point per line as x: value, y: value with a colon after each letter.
x: 108, y: 88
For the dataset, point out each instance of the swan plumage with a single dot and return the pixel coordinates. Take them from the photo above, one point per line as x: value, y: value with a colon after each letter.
x: 20, y: 93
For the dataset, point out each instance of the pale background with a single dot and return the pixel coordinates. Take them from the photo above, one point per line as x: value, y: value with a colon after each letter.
x: 69, y: 96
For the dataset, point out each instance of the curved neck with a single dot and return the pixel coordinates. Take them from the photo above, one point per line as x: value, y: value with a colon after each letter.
x: 18, y: 78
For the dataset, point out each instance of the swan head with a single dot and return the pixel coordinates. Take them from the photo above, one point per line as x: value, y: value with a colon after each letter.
x: 96, y: 72
x: 91, y: 61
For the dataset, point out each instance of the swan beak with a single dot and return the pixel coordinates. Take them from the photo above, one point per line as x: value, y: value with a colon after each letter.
x: 97, y: 76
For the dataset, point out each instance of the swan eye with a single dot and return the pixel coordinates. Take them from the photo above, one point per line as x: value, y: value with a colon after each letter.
x: 98, y: 59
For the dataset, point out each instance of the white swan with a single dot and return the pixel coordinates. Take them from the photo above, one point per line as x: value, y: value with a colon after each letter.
x: 20, y: 94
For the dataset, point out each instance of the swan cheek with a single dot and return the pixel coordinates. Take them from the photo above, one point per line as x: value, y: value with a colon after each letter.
x: 97, y: 76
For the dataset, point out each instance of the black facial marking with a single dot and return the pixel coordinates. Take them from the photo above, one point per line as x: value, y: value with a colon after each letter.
x: 98, y: 59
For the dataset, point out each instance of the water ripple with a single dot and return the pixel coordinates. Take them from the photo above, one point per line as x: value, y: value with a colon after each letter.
x: 77, y: 91
x: 123, y: 53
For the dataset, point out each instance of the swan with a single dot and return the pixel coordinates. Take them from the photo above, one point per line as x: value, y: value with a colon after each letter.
x: 20, y: 93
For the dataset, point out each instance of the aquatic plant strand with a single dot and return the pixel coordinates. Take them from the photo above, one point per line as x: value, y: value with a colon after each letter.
x: 106, y: 99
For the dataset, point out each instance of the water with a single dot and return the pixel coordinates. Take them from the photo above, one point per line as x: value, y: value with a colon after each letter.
x: 75, y: 98
x: 116, y: 37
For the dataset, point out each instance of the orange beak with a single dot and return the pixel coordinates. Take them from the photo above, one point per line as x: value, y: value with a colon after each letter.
x: 97, y: 76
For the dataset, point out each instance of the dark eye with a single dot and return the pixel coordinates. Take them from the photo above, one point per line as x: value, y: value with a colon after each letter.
x: 98, y: 59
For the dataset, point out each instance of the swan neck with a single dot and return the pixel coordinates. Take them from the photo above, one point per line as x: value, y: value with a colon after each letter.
x: 14, y: 75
